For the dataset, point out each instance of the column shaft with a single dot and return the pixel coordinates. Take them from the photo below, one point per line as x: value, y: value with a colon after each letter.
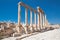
x: 26, y: 16
x: 35, y: 18
x: 19, y: 10
x: 35, y: 21
x: 31, y: 24
x: 31, y: 18
x: 19, y: 14
x: 43, y: 19
x: 38, y: 9
x: 39, y: 21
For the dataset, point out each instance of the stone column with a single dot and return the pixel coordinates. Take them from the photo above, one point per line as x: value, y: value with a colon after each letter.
x: 39, y: 21
x: 38, y: 9
x: 17, y: 27
x: 26, y: 20
x: 31, y: 24
x: 43, y: 20
x: 26, y: 16
x: 31, y: 18
x: 35, y: 20
x: 19, y: 14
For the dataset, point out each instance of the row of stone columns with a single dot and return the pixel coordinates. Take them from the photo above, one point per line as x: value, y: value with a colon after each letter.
x: 41, y: 17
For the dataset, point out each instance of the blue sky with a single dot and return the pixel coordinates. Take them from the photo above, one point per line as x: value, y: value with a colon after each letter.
x: 9, y: 9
